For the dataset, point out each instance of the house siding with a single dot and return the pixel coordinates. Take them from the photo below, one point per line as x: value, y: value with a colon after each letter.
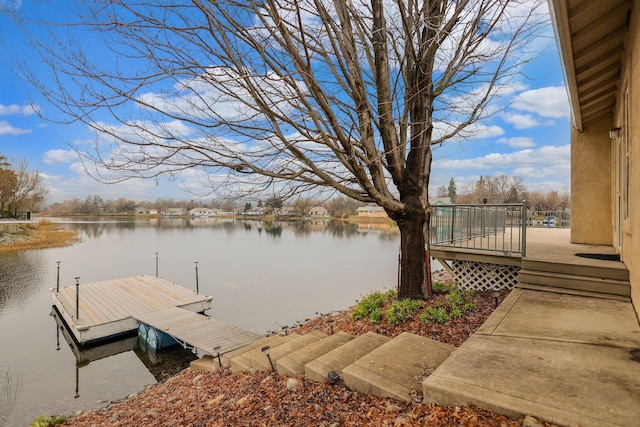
x: 630, y: 227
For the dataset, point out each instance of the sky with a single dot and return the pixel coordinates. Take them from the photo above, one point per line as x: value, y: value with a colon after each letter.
x: 529, y: 138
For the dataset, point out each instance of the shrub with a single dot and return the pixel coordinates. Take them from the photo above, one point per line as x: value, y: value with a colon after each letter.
x: 400, y: 311
x: 370, y: 307
x: 457, y: 313
x: 443, y: 288
x: 435, y: 314
x: 44, y: 421
x: 469, y: 306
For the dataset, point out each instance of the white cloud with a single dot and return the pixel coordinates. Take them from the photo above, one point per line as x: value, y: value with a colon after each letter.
x: 22, y: 110
x: 546, y: 102
x: 517, y: 142
x: 547, y: 157
x: 521, y: 121
x: 473, y: 131
x: 7, y: 129
x: 10, y: 5
x: 59, y: 157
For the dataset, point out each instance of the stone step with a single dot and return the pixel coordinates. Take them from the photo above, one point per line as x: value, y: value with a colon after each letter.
x: 261, y: 364
x: 396, y: 368
x: 293, y: 363
x: 572, y: 292
x: 244, y: 362
x: 580, y: 283
x: 343, y: 356
x: 613, y: 270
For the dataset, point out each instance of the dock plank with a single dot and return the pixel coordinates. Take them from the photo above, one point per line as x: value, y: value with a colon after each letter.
x: 199, y: 331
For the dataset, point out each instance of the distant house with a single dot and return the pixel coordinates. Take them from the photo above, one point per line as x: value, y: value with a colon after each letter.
x: 318, y: 211
x: 201, y: 212
x: 153, y: 211
x: 174, y: 212
x: 142, y: 211
x: 286, y: 211
x: 440, y: 201
x: 371, y: 212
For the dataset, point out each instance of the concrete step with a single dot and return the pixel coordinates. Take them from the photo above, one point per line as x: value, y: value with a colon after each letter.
x: 343, y: 356
x: 208, y: 363
x: 580, y: 283
x: 245, y: 362
x: 396, y: 368
x: 293, y: 363
x: 261, y: 364
x: 567, y: 291
x: 613, y: 270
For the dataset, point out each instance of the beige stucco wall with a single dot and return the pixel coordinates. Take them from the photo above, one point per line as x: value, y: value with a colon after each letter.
x: 630, y: 248
x: 591, y: 217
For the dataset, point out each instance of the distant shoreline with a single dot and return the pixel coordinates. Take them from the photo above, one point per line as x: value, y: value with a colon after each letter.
x: 35, y: 235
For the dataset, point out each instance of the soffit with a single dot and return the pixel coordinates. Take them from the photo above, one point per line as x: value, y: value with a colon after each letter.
x: 591, y: 35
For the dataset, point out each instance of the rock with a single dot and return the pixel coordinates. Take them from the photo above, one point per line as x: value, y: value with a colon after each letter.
x: 197, y: 379
x: 292, y: 384
x: 401, y: 421
x: 216, y: 400
x: 242, y: 400
x: 172, y: 399
x: 530, y: 421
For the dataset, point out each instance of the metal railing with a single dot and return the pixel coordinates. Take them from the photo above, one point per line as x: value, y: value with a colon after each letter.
x: 487, y: 227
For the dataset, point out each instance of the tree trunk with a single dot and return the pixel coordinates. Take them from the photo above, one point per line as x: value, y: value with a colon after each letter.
x: 415, y: 276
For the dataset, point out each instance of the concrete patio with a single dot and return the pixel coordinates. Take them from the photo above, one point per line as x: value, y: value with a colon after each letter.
x: 566, y: 359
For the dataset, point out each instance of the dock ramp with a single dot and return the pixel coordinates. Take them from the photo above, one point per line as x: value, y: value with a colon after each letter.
x: 193, y: 330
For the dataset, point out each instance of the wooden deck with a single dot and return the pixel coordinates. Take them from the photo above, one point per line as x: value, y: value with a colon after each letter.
x: 108, y: 308
x: 198, y: 331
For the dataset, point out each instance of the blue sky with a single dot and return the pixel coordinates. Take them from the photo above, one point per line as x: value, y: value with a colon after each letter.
x: 529, y: 138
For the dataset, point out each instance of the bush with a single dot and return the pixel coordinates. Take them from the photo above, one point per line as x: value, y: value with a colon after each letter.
x: 44, y: 421
x: 400, y: 311
x: 435, y: 314
x: 443, y: 288
x: 370, y: 307
x: 455, y: 305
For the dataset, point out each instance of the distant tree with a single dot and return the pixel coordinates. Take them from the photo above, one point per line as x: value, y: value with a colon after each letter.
x: 125, y: 206
x: 273, y: 203
x: 442, y: 191
x: 20, y: 188
x: 247, y: 206
x: 452, y: 192
x: 341, y: 207
x: 302, y: 205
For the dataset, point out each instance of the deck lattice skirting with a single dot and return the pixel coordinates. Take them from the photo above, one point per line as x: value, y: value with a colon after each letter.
x: 480, y: 276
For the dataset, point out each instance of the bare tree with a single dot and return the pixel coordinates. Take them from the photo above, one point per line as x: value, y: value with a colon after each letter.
x: 20, y: 188
x: 347, y: 96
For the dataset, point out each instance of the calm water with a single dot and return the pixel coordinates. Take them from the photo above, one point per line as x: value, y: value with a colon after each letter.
x: 261, y: 276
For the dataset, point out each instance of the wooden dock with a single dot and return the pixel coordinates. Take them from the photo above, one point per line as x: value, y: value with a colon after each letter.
x: 194, y: 330
x: 109, y: 308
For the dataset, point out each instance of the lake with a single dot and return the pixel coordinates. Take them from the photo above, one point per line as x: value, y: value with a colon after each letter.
x: 261, y: 276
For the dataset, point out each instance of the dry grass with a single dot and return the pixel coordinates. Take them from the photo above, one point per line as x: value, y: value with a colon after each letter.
x: 37, y: 236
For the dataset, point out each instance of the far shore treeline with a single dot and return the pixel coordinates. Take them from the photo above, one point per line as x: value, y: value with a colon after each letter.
x: 488, y: 189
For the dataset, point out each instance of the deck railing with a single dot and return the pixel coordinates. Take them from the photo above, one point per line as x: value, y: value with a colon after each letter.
x: 487, y: 227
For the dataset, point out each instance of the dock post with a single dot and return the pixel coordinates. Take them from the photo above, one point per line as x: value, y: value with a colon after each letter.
x: 77, y: 298
x: 58, y: 279
x: 156, y: 264
x: 197, y: 287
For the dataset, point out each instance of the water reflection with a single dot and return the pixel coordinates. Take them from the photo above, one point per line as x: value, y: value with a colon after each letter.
x: 10, y: 386
x: 18, y: 286
x: 95, y: 229
x: 161, y: 365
